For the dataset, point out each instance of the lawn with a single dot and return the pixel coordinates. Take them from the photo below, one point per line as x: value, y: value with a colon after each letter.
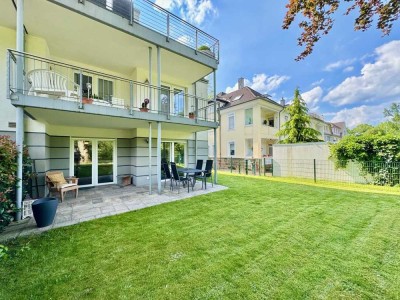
x: 259, y: 239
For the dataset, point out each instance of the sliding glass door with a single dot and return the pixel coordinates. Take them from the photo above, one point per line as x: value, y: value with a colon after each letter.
x: 93, y: 161
x: 173, y: 151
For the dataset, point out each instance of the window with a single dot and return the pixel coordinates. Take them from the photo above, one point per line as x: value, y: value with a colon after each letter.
x: 231, y: 149
x: 105, y: 90
x: 248, y: 116
x: 231, y: 121
x: 249, y: 147
x: 86, y: 86
x: 271, y: 122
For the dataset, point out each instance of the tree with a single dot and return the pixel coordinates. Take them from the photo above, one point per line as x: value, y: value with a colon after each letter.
x: 318, y: 17
x: 393, y: 112
x: 297, y: 129
x: 375, y: 149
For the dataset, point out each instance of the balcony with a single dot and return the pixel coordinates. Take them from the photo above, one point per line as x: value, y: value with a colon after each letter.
x: 268, y: 131
x: 154, y: 17
x: 36, y: 82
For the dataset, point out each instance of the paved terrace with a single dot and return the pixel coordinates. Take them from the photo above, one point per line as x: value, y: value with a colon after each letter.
x: 103, y: 201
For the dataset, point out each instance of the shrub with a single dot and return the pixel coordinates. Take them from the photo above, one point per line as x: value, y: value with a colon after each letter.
x: 8, y: 179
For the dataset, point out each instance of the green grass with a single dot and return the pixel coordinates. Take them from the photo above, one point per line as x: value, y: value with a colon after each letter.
x: 259, y: 239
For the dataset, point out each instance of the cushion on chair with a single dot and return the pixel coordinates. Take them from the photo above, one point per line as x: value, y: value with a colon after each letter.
x: 57, y: 177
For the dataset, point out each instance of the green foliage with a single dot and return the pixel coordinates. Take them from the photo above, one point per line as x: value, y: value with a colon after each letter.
x: 376, y: 149
x: 393, y: 112
x: 317, y: 17
x: 3, y: 252
x: 203, y: 47
x: 8, y: 179
x: 297, y: 129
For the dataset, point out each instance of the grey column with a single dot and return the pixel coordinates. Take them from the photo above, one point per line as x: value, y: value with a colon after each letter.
x: 159, y: 76
x: 20, y: 111
x: 150, y: 180
x: 215, y: 129
x: 159, y: 157
x: 150, y: 78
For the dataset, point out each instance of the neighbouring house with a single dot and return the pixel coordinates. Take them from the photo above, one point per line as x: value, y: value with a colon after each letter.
x: 249, y: 122
x: 99, y: 89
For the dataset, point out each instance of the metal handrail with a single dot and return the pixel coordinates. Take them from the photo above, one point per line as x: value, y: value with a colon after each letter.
x: 169, y: 24
x: 142, y: 90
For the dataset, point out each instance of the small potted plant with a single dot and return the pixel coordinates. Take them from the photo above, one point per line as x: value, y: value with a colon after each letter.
x: 144, y: 105
x: 192, y: 115
x: 206, y: 50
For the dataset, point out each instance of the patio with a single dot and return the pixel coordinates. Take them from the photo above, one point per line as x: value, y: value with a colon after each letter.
x: 103, y: 201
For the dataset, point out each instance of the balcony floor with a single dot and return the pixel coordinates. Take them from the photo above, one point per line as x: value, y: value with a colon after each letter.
x: 104, y: 201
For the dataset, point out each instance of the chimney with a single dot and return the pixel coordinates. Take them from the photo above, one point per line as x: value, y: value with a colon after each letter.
x: 240, y: 83
x: 282, y: 102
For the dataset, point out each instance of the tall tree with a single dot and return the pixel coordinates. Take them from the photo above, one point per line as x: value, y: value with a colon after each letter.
x: 318, y: 17
x: 393, y: 112
x: 297, y: 129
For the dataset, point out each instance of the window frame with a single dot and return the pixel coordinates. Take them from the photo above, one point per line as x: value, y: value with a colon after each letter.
x: 231, y: 115
x: 250, y: 123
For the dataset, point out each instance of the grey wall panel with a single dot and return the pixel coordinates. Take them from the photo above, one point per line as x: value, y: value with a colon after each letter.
x: 122, y: 170
x: 59, y: 164
x: 59, y: 152
x: 35, y: 138
x: 124, y: 152
x: 124, y: 161
x: 60, y: 141
x: 123, y: 143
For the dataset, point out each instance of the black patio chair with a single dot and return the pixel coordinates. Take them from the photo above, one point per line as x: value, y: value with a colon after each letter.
x: 207, y: 173
x: 167, y: 174
x: 177, y: 178
x: 199, y: 166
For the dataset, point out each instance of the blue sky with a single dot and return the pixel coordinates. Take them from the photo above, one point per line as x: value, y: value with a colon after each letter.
x: 351, y: 76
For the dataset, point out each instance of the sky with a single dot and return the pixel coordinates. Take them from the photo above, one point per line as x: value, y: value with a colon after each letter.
x: 351, y: 75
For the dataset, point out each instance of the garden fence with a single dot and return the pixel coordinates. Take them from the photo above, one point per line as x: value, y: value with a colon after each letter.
x: 377, y: 173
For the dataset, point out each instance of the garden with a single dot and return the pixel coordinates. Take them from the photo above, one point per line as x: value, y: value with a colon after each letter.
x: 261, y: 238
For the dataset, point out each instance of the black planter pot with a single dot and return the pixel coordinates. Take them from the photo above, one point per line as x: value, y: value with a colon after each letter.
x: 44, y: 211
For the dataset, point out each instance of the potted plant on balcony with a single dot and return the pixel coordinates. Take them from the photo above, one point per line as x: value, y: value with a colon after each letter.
x: 206, y: 50
x: 192, y: 115
x: 144, y: 105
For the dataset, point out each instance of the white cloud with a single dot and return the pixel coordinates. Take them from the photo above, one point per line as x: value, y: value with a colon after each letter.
x: 318, y: 82
x: 193, y: 11
x: 348, y: 69
x: 339, y: 64
x: 313, y: 97
x: 360, y: 115
x: 379, y: 80
x: 261, y: 83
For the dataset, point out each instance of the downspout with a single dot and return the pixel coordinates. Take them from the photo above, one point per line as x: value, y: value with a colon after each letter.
x: 19, y: 134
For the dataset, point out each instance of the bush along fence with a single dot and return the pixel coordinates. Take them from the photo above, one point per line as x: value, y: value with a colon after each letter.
x: 375, y: 173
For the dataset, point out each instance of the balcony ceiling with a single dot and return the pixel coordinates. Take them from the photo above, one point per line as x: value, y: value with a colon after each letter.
x: 73, y: 119
x: 78, y: 38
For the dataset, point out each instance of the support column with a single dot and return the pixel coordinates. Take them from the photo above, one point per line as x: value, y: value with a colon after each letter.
x: 150, y: 180
x: 150, y: 78
x: 159, y: 77
x: 215, y: 129
x: 159, y: 157
x: 195, y: 147
x: 20, y: 111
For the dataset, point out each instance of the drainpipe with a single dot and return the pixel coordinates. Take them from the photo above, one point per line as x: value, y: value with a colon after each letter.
x: 215, y: 129
x: 150, y: 181
x: 279, y: 121
x: 19, y: 110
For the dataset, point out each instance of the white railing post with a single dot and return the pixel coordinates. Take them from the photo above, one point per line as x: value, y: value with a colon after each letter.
x: 168, y: 28
x: 131, y: 14
x: 131, y: 96
x: 81, y: 89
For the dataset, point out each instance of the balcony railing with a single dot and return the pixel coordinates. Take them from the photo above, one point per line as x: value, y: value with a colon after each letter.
x: 154, y: 17
x: 36, y: 76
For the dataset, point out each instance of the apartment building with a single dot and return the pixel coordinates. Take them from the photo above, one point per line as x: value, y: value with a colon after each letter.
x: 249, y: 122
x: 100, y: 88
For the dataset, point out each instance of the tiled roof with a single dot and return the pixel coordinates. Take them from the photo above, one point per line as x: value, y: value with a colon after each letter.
x: 243, y: 95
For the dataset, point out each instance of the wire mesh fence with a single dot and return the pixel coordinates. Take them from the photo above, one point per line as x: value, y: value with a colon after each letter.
x: 372, y: 173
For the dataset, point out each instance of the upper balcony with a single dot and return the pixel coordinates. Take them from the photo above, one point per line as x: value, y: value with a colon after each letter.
x: 40, y: 84
x: 152, y: 23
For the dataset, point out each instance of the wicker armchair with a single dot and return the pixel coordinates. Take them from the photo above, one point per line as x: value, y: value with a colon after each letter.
x: 56, y: 183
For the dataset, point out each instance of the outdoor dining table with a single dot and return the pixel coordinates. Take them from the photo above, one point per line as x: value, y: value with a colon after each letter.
x: 193, y: 171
